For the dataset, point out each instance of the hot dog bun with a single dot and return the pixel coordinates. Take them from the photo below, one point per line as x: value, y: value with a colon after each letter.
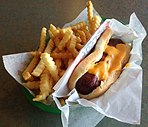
x: 83, y: 69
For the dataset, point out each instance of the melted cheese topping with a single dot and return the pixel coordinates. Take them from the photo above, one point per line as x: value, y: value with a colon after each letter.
x: 112, y: 61
x: 127, y: 65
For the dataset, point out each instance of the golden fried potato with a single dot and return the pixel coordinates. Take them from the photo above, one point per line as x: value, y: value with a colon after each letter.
x: 65, y: 39
x: 79, y: 25
x: 95, y: 23
x: 72, y: 46
x: 90, y: 14
x: 50, y: 64
x: 32, y: 85
x: 53, y: 31
x: 46, y: 85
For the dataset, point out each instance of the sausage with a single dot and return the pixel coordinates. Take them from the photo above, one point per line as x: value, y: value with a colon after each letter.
x: 87, y: 83
x: 114, y: 42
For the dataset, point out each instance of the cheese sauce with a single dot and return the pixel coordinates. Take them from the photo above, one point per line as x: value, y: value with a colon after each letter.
x: 111, y: 62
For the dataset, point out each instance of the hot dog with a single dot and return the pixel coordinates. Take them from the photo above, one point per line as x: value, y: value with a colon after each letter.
x: 101, y: 68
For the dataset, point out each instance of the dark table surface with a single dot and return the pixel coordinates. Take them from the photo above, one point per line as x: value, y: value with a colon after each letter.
x: 20, y: 25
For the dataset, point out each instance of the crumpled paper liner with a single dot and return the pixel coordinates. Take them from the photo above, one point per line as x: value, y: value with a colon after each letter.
x: 122, y: 101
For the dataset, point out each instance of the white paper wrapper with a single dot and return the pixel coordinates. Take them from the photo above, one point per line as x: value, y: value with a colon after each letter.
x: 16, y: 63
x: 122, y: 101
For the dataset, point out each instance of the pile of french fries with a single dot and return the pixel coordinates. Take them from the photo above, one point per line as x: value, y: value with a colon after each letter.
x: 52, y: 59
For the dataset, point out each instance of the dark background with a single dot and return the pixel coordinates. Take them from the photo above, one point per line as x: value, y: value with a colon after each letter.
x: 20, y: 25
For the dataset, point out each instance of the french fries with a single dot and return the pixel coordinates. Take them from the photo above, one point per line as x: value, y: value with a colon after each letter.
x: 93, y: 21
x: 52, y: 58
x: 27, y: 72
x: 50, y: 65
x: 46, y: 84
